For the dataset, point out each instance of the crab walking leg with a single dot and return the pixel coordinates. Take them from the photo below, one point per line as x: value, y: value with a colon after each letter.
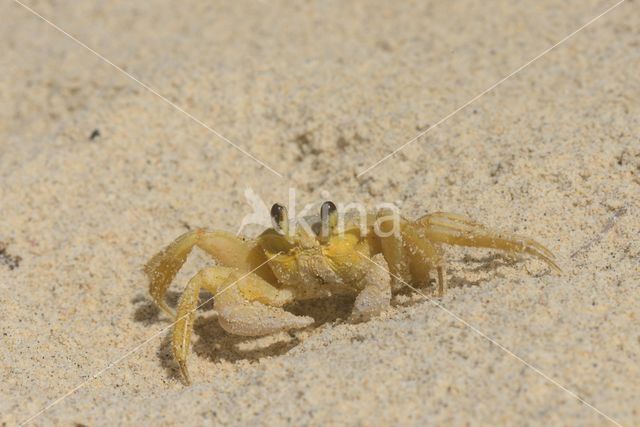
x: 458, y: 230
x: 245, y: 301
x: 442, y: 280
x: 424, y: 255
x: 392, y: 246
x: 225, y: 248
x: 375, y: 297
x: 209, y: 279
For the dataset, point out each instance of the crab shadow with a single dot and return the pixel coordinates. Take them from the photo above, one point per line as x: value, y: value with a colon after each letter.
x: 486, y: 267
x: 212, y: 342
x: 490, y: 263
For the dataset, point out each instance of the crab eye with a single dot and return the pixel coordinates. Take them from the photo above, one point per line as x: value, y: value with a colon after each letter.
x: 280, y: 218
x: 328, y: 219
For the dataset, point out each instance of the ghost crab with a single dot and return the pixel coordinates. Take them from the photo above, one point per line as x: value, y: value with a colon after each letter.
x: 254, y: 279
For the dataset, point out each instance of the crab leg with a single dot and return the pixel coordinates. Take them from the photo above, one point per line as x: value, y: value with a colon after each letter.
x: 225, y: 248
x: 424, y: 255
x: 392, y: 247
x: 246, y: 304
x: 456, y: 229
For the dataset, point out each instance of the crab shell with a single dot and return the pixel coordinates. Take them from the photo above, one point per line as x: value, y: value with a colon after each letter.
x: 318, y: 268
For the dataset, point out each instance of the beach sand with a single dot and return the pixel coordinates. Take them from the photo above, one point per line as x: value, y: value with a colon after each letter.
x: 319, y: 92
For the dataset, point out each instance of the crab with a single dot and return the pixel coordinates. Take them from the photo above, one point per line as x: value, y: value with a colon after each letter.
x: 254, y: 279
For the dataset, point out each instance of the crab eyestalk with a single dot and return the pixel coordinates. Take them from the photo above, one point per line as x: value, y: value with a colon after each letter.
x: 280, y: 219
x: 328, y: 220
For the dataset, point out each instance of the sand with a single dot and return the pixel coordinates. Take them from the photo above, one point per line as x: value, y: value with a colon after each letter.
x: 319, y: 91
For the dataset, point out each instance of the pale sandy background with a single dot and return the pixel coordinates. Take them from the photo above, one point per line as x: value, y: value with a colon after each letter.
x: 319, y: 91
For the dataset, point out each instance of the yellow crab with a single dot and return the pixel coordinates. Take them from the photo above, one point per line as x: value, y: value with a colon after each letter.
x: 368, y: 258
